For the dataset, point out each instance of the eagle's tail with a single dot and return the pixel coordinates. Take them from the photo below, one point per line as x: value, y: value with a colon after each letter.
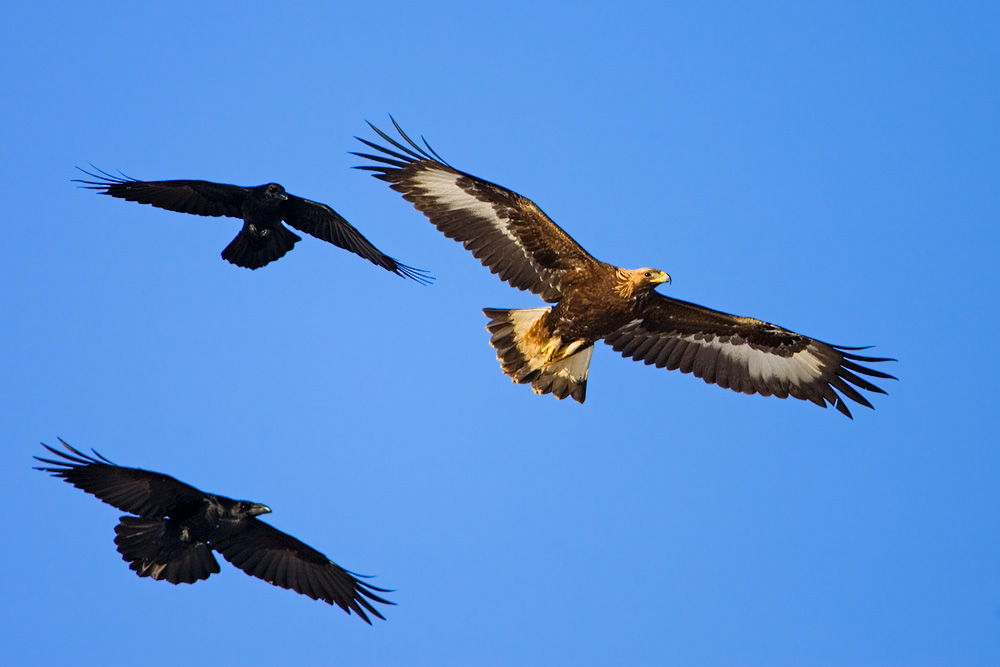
x: 254, y: 247
x: 154, y: 548
x: 528, y: 353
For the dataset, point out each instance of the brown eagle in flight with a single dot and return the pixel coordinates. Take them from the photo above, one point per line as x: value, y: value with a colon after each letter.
x: 263, y: 238
x: 178, y: 527
x: 551, y: 347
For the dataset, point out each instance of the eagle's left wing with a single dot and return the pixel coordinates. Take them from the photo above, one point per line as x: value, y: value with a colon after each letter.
x: 507, y: 232
x: 744, y: 354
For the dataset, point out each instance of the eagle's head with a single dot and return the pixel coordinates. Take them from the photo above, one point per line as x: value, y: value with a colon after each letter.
x: 639, y: 281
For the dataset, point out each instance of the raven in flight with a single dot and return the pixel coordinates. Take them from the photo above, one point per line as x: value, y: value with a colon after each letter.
x: 178, y: 526
x: 263, y: 238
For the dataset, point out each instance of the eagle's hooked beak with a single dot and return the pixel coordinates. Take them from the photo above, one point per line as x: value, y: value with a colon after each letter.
x: 663, y: 277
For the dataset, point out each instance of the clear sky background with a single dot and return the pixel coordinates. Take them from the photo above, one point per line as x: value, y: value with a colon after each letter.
x: 832, y: 169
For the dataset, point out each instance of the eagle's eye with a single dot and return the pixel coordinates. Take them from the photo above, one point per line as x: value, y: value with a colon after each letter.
x: 648, y: 274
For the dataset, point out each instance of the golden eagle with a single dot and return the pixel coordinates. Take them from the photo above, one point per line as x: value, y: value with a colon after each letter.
x: 263, y: 238
x: 178, y: 527
x: 551, y: 347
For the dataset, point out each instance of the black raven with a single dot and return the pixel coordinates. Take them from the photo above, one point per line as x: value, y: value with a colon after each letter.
x: 263, y: 238
x: 178, y: 526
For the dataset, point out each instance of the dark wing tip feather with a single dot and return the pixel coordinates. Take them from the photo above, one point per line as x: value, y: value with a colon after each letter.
x: 844, y: 377
x: 103, y: 180
x: 365, y: 595
x: 858, y: 368
x: 433, y: 152
x: 847, y: 351
x: 420, y: 276
x: 401, y: 160
x: 373, y: 587
x: 842, y: 382
x: 73, y: 459
x: 429, y: 153
x: 842, y: 407
x: 415, y: 153
x: 858, y: 381
x: 411, y: 153
x: 413, y: 149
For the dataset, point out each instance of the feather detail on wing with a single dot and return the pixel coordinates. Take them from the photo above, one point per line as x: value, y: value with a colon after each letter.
x: 143, y: 492
x: 745, y: 355
x: 195, y: 197
x: 267, y: 553
x: 324, y: 223
x: 508, y: 233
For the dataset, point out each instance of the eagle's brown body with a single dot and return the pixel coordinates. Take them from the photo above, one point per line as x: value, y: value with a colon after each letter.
x: 551, y: 347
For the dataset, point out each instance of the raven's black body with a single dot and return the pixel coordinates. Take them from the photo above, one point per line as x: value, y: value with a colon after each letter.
x: 263, y: 209
x: 263, y: 238
x: 178, y: 526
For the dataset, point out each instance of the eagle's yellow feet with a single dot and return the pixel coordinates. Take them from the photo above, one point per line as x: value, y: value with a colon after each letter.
x: 551, y: 350
x: 555, y: 351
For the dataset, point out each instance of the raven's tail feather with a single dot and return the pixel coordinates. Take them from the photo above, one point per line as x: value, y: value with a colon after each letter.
x: 154, y: 548
x: 254, y: 247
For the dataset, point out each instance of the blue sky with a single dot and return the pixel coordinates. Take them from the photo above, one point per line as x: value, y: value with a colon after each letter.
x: 832, y: 169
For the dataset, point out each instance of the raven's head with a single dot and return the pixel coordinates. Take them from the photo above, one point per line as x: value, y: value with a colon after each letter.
x: 274, y: 191
x: 247, y: 508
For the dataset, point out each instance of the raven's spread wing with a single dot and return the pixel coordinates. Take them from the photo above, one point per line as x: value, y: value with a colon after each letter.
x: 744, y: 354
x: 142, y: 492
x: 324, y: 223
x: 195, y: 197
x: 505, y: 231
x: 278, y: 558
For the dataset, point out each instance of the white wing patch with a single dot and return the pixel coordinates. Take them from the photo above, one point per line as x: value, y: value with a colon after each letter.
x: 442, y: 187
x: 812, y: 370
x: 801, y: 368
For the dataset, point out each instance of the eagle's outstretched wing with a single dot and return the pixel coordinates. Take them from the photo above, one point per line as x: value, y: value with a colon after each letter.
x: 744, y: 354
x: 508, y: 233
